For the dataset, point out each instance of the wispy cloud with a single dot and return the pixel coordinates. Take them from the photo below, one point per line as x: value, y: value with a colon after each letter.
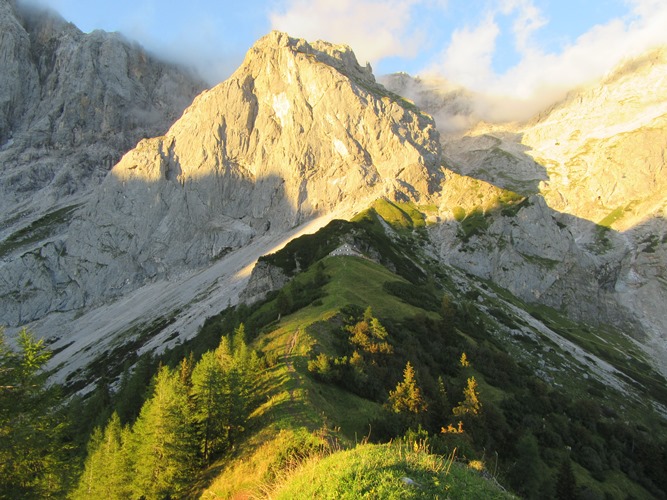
x: 375, y: 29
x: 469, y: 55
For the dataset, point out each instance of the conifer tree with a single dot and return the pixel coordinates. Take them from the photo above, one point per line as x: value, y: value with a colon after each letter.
x: 566, y: 483
x: 108, y: 469
x: 242, y: 379
x: 369, y: 335
x: 470, y: 404
x: 133, y: 386
x: 32, y: 459
x: 164, y: 440
x: 407, y: 397
x: 223, y: 353
x: 440, y: 407
x: 210, y: 390
x: 529, y: 471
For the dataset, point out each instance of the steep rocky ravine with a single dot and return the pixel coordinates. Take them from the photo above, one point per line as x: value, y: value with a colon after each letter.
x: 593, y: 241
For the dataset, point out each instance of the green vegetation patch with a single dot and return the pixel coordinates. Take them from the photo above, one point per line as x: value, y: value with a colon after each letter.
x: 459, y: 213
x: 387, y: 471
x: 360, y: 281
x: 476, y: 222
x: 612, y: 217
x: 418, y: 296
x: 395, y: 216
x: 365, y: 231
x: 610, y: 345
x: 417, y: 217
x: 37, y: 230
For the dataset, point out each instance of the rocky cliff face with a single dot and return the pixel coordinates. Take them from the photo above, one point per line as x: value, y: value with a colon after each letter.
x: 70, y: 105
x: 298, y: 130
x: 592, y: 239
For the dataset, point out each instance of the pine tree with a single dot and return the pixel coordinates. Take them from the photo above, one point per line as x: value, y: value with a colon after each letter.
x: 529, y: 471
x: 440, y: 407
x: 210, y: 390
x: 223, y: 353
x: 284, y: 302
x: 448, y: 313
x: 133, y: 387
x: 242, y: 380
x: 369, y: 335
x: 407, y: 397
x: 107, y: 471
x: 566, y: 483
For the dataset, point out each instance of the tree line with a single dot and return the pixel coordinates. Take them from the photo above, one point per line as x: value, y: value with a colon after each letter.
x: 192, y: 414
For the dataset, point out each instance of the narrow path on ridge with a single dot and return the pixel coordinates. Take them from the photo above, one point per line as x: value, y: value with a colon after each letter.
x: 289, y: 353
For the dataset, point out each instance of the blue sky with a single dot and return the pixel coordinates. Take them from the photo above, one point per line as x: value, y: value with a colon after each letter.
x: 514, y: 48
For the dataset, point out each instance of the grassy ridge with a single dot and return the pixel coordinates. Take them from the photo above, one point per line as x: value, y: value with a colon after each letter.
x: 537, y: 410
x: 389, y: 471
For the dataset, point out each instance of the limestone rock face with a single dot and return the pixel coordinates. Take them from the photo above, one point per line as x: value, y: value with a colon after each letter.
x: 71, y: 104
x: 298, y: 130
x: 265, y: 278
x: 593, y: 241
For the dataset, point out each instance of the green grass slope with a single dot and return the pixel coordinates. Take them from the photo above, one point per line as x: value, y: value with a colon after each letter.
x: 388, y: 471
x: 540, y: 409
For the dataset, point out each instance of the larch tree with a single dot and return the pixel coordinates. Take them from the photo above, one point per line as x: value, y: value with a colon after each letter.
x: 407, y: 398
x: 164, y: 440
x: 470, y: 404
x: 108, y: 468
x: 369, y: 335
x: 210, y: 391
x: 33, y: 460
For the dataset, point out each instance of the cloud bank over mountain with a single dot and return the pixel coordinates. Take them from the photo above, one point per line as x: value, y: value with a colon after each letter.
x: 469, y: 57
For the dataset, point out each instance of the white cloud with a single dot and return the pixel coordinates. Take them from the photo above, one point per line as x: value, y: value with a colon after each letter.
x: 528, y: 21
x: 374, y: 29
x: 541, y: 77
x: 469, y: 55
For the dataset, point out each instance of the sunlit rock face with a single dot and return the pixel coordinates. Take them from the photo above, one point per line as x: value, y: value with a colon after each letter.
x: 593, y: 240
x: 298, y: 130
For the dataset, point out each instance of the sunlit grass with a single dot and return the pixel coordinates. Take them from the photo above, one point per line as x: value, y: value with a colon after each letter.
x: 389, y: 471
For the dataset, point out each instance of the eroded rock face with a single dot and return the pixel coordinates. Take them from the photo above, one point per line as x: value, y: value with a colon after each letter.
x: 298, y: 130
x: 594, y: 166
x: 71, y: 104
x: 265, y: 278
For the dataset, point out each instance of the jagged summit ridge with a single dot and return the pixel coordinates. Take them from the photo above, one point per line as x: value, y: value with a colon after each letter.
x: 299, y: 130
x: 341, y: 57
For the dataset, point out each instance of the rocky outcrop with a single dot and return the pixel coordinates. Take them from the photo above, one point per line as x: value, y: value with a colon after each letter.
x: 298, y: 130
x: 265, y: 278
x: 532, y: 251
x: 71, y: 104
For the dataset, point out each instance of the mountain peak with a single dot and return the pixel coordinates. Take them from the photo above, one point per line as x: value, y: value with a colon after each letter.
x: 300, y: 130
x: 340, y: 57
